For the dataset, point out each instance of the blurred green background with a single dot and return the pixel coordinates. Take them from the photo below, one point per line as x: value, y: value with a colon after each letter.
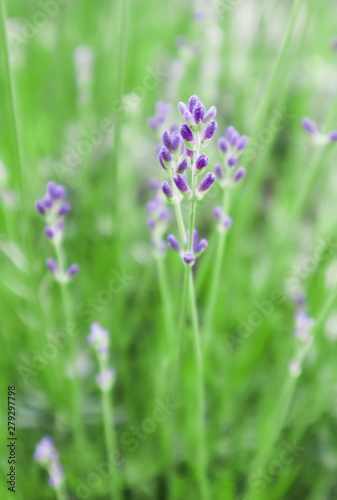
x: 264, y: 65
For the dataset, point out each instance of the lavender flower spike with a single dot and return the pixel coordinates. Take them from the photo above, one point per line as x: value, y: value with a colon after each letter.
x: 99, y: 338
x: 211, y: 113
x: 167, y: 190
x: 189, y: 258
x: 45, y: 451
x: 173, y: 242
x: 181, y: 183
x: 206, y: 182
x: 309, y: 126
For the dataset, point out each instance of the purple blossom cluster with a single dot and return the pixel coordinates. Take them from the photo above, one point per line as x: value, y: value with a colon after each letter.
x: 198, y: 247
x: 318, y: 138
x: 99, y: 339
x: 183, y: 162
x: 163, y: 110
x: 48, y: 457
x: 54, y: 208
x: 231, y: 146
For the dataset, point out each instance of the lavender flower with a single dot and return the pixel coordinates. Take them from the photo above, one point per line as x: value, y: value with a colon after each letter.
x: 224, y: 221
x: 173, y: 242
x: 181, y: 184
x: 167, y: 190
x: 158, y: 219
x: 99, y: 339
x: 239, y: 174
x: 163, y: 110
x: 201, y: 162
x: 188, y: 258
x: 205, y: 184
x: 303, y: 336
x: 183, y: 166
x: 105, y: 379
x: 231, y: 145
x: 309, y: 126
x: 47, y: 456
x: 186, y: 133
x: 53, y: 207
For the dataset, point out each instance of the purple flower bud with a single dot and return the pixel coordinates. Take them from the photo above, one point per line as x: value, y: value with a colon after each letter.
x: 56, y: 475
x: 232, y: 161
x: 189, y: 153
x: 201, y: 162
x: 47, y: 202
x: 201, y: 246
x: 218, y: 213
x: 181, y: 183
x: 164, y: 156
x: 227, y: 222
x: 223, y: 144
x: 210, y: 130
x: 167, y: 190
x: 167, y: 139
x: 211, y: 113
x: 153, y: 123
x: 64, y: 209
x: 173, y: 242
x: 192, y: 102
x: 176, y: 140
x: 189, y: 118
x: 219, y: 171
x: 186, y: 133
x: 49, y: 232
x: 51, y: 189
x: 309, y: 126
x: 182, y: 166
x: 207, y: 182
x: 188, y: 258
x: 51, y: 265
x: 182, y: 108
x: 73, y: 269
x: 235, y: 137
x: 239, y: 174
x: 229, y: 132
x: 242, y: 143
x: 199, y: 112
x: 151, y: 223
x: 59, y: 192
x: 164, y: 214
x: 154, y: 184
x: 40, y: 208
x: 333, y: 136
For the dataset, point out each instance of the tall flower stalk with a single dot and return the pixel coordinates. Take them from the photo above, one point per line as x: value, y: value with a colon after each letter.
x: 54, y: 209
x: 99, y: 339
x: 231, y: 147
x: 180, y: 157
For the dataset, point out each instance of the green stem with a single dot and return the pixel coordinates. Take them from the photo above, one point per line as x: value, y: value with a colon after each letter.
x: 110, y: 443
x: 67, y: 310
x: 199, y: 379
x: 200, y: 393
x: 216, y: 269
x: 60, y: 495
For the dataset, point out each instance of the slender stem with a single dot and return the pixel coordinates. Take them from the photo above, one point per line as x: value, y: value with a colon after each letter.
x: 216, y: 269
x: 110, y: 442
x: 60, y: 495
x: 199, y: 379
x: 67, y: 310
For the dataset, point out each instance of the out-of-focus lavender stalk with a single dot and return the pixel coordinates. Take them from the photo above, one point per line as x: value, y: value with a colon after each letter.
x: 99, y: 339
x: 47, y: 456
x: 54, y: 208
x: 228, y: 174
